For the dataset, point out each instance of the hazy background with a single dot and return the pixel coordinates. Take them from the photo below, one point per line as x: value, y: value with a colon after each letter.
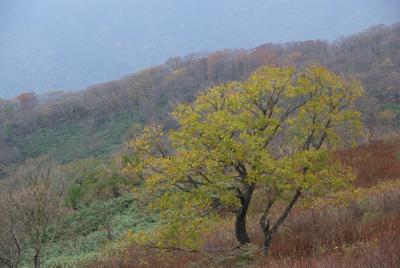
x: 70, y: 44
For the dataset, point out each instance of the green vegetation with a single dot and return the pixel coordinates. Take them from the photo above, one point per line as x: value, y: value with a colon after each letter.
x: 392, y: 106
x: 70, y: 140
x: 93, y: 227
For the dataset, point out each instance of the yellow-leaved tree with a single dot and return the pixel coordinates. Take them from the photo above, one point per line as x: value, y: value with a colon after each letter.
x: 272, y: 132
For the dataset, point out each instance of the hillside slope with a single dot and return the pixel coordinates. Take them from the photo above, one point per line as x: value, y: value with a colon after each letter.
x: 94, y: 122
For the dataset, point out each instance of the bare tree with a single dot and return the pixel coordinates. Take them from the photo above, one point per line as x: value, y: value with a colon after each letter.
x: 32, y: 211
x: 10, y: 231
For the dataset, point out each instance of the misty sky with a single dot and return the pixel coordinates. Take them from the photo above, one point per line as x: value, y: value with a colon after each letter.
x: 70, y: 44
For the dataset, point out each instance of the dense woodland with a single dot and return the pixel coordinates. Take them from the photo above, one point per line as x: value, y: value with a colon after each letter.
x: 285, y: 150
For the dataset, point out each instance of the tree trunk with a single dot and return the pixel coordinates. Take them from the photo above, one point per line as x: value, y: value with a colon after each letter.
x: 267, y: 242
x: 36, y: 260
x: 240, y: 224
x: 270, y: 232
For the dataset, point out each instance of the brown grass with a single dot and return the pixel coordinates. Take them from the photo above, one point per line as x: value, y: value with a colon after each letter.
x: 315, y: 231
x: 140, y: 257
x: 374, y: 162
x: 382, y: 251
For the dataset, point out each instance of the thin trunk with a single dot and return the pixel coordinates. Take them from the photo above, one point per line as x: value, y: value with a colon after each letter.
x: 265, y: 224
x: 240, y: 224
x: 36, y: 260
x: 109, y: 232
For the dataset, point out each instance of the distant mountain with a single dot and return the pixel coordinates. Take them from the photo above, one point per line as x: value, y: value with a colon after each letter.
x: 70, y: 44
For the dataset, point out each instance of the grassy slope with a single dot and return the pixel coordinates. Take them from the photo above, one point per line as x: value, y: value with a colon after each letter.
x: 77, y: 140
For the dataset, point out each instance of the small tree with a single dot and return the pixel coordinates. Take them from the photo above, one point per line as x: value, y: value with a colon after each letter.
x: 267, y: 132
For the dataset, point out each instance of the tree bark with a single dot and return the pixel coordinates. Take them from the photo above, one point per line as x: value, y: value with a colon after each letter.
x: 268, y: 231
x: 240, y: 224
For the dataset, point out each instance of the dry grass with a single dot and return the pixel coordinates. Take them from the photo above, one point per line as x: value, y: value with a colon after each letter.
x: 318, y: 230
x: 382, y: 251
x: 374, y: 162
x: 140, y: 257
